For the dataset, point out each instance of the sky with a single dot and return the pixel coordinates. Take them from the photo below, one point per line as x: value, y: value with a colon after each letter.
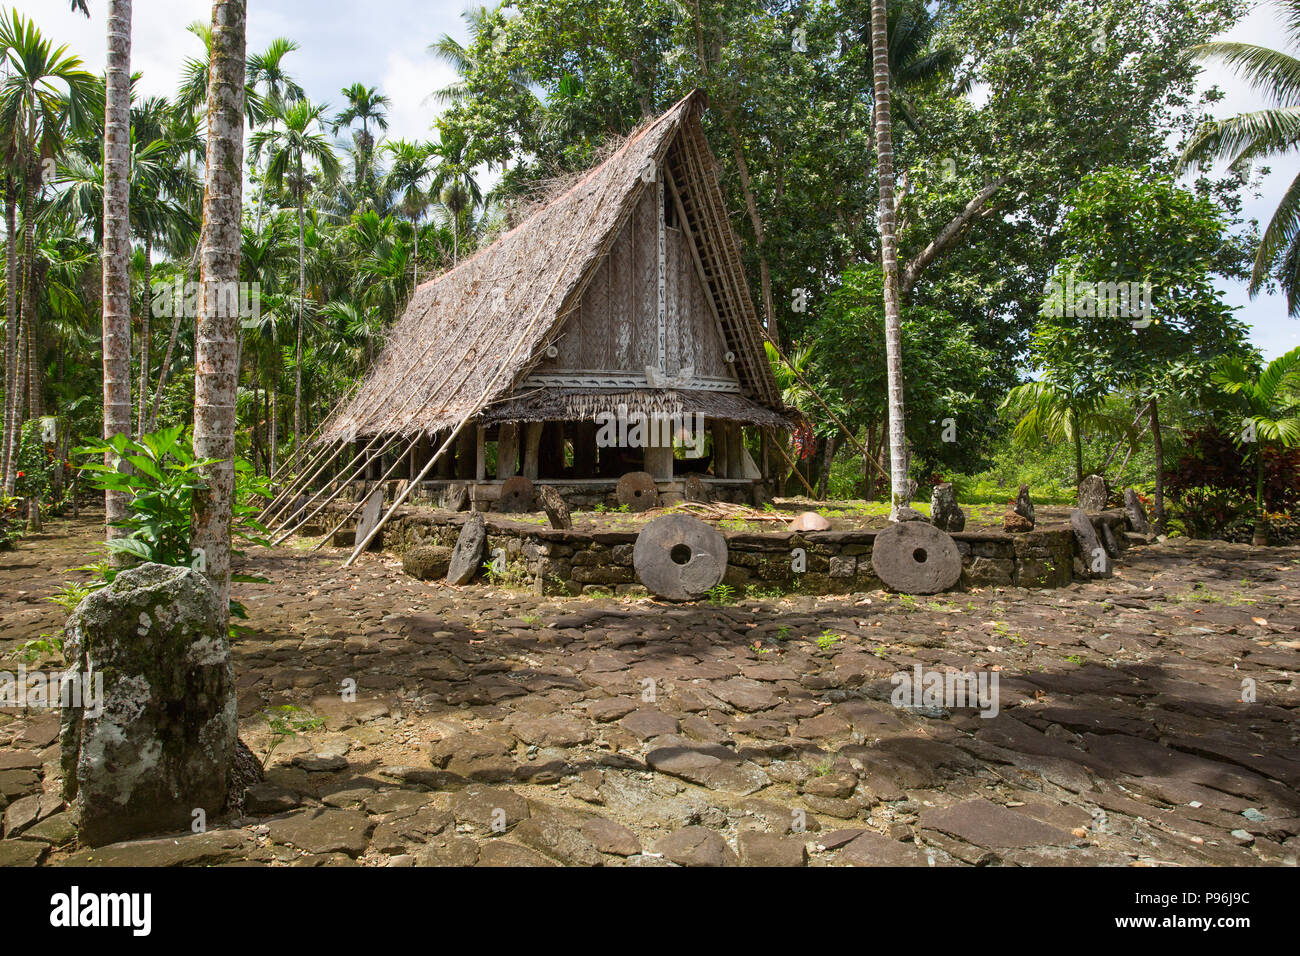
x: 385, y: 43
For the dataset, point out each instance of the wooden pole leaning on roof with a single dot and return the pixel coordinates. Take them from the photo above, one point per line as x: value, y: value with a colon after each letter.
x: 835, y: 418
x: 287, y: 492
x: 795, y: 468
x: 299, y: 482
x: 284, y: 530
x: 412, y: 395
x: 487, y: 389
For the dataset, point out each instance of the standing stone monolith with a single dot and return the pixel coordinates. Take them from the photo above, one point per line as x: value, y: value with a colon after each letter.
x: 945, y: 514
x: 557, y: 510
x: 1093, y: 494
x: 1137, y: 515
x: 1095, y: 558
x: 471, y: 546
x: 153, y: 736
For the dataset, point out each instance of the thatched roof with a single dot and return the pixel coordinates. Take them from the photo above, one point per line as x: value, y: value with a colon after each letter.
x: 470, y: 336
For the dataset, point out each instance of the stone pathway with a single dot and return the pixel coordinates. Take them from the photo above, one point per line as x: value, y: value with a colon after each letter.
x: 494, y: 728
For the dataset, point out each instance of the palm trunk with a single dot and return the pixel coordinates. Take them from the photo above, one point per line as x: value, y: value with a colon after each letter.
x: 145, y: 333
x: 117, y: 244
x: 889, y: 261
x: 1260, y: 536
x: 302, y: 306
x: 10, y: 449
x: 216, y: 368
x: 1158, y: 446
x: 1078, y: 449
x: 29, y: 297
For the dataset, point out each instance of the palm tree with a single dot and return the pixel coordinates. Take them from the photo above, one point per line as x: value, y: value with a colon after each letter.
x: 216, y: 376
x: 44, y: 93
x: 1048, y: 411
x: 265, y: 256
x: 266, y: 70
x: 454, y: 182
x: 289, y: 150
x: 1247, y: 137
x: 192, y: 95
x: 411, y: 166
x: 1272, y: 402
x: 899, y: 490
x: 365, y: 105
x: 117, y: 246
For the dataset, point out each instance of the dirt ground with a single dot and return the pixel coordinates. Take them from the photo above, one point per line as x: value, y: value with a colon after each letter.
x: 1148, y: 719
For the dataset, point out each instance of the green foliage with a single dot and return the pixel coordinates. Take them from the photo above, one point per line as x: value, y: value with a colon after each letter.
x: 37, y: 463
x: 722, y: 594
x: 161, y: 474
x: 286, y: 722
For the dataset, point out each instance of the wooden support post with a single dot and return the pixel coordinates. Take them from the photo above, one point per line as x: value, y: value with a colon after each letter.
x: 659, y: 463
x: 765, y: 452
x: 480, y: 462
x: 720, y: 448
x: 445, y: 468
x: 584, y: 450
x: 466, y: 453
x: 532, y: 448
x: 735, y: 451
x: 507, y: 450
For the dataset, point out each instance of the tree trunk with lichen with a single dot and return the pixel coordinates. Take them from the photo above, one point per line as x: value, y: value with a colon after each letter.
x: 216, y: 352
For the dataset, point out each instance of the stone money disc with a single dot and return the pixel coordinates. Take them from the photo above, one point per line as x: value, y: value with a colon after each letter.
x: 915, y: 557
x: 679, y: 557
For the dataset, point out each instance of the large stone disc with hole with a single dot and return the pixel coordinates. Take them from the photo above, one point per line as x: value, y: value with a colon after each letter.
x: 516, y: 496
x: 679, y: 557
x: 637, y: 490
x: 915, y: 557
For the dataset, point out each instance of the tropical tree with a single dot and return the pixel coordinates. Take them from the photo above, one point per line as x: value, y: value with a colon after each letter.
x: 366, y: 105
x: 899, y: 490
x: 1272, y: 413
x: 290, y: 148
x: 45, y: 93
x: 216, y: 362
x: 1248, y: 137
x: 412, y: 166
x: 453, y: 182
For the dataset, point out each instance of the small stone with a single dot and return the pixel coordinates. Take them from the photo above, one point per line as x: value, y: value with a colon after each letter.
x: 1137, y: 514
x: 323, y: 831
x: 427, y: 562
x: 810, y: 521
x: 1024, y: 506
x: 610, y: 837
x: 696, y: 846
x: 768, y: 849
x: 471, y: 545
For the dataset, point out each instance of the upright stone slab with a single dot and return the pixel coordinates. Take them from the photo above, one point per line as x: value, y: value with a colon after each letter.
x: 456, y: 497
x: 945, y: 513
x: 1024, y: 506
x: 1093, y: 494
x: 915, y: 557
x: 696, y: 490
x: 1095, y: 558
x: 557, y: 511
x: 371, y: 512
x: 1137, y: 515
x: 160, y: 742
x: 471, y: 547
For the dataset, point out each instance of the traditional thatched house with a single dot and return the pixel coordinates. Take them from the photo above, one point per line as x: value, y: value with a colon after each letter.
x: 610, y: 325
